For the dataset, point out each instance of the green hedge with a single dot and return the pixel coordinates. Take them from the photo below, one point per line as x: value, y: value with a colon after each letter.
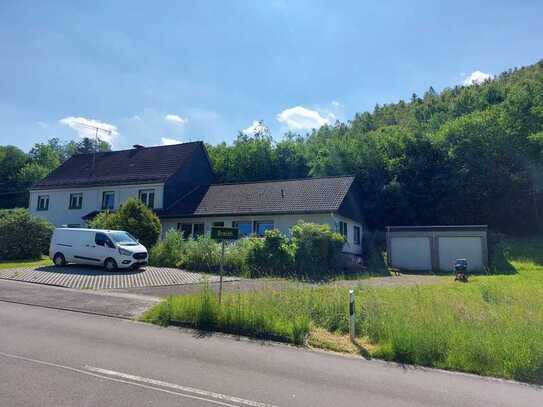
x: 23, y: 236
x: 311, y: 252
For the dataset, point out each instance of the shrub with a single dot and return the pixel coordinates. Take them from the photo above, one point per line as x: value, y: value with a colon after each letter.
x: 23, y: 236
x: 273, y: 255
x: 169, y: 252
x: 317, y: 249
x: 236, y: 256
x: 202, y: 254
x: 134, y: 217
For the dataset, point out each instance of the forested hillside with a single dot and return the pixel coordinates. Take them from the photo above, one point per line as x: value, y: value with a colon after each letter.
x: 468, y: 155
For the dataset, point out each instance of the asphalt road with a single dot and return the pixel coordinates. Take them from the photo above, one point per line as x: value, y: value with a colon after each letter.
x: 58, y: 358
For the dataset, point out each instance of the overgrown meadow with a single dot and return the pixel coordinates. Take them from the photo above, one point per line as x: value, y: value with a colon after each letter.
x: 491, y: 326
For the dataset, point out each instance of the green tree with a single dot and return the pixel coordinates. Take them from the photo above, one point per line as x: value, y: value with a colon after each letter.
x: 135, y: 218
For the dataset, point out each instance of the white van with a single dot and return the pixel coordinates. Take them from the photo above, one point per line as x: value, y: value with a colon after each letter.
x: 110, y: 248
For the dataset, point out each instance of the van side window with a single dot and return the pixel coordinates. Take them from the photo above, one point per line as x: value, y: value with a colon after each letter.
x: 100, y: 239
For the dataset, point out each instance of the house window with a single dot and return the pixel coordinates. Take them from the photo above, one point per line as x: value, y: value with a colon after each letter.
x: 262, y: 226
x: 108, y: 200
x: 343, y: 229
x: 197, y: 230
x: 245, y: 228
x: 147, y: 196
x: 43, y: 202
x: 356, y: 234
x: 76, y: 201
x: 218, y: 224
x: 186, y: 229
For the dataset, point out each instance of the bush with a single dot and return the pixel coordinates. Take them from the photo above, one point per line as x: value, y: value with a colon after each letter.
x: 135, y: 218
x: 317, y: 249
x: 202, y: 254
x: 169, y: 252
x: 273, y: 255
x: 23, y: 236
x: 236, y: 256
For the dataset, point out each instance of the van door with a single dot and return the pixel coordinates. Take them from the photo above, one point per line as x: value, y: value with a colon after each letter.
x: 86, y: 249
x: 103, y: 247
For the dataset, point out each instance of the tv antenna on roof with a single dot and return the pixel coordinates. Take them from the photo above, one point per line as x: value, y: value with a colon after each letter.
x: 95, y: 144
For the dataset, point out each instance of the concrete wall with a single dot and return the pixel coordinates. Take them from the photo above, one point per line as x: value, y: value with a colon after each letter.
x: 281, y: 222
x: 60, y: 214
x: 475, y: 250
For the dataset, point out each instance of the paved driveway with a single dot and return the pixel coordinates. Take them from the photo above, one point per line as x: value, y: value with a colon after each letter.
x: 97, y: 278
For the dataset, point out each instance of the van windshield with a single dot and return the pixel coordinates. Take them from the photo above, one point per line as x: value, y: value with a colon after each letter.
x: 123, y: 238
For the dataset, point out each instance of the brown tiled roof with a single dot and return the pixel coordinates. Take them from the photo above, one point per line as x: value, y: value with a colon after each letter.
x: 267, y: 197
x: 137, y: 165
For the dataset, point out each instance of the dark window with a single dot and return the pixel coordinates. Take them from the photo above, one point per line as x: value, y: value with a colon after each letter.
x: 43, y: 202
x: 218, y: 224
x: 343, y: 229
x: 197, y: 230
x: 185, y: 229
x: 108, y: 200
x: 245, y: 228
x: 76, y: 201
x: 356, y: 234
x: 262, y: 226
x: 147, y: 196
x: 100, y: 239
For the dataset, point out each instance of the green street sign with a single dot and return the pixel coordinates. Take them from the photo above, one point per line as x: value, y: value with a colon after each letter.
x: 220, y: 233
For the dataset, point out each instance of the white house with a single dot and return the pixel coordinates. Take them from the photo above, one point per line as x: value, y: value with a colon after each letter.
x: 88, y: 183
x: 255, y: 207
x: 177, y: 182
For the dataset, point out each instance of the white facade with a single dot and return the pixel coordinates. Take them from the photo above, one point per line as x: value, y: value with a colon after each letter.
x: 280, y: 222
x: 58, y: 211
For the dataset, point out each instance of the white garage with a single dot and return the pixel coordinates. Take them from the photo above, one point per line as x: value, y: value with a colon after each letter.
x: 436, y: 247
x: 411, y: 253
x: 460, y: 247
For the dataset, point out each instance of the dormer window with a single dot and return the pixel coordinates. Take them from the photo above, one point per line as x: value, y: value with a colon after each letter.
x: 147, y: 196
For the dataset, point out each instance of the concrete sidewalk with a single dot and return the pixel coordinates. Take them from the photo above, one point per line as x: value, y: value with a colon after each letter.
x: 123, y: 305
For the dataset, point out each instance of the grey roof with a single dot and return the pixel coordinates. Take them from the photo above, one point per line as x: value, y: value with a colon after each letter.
x: 266, y: 197
x: 137, y: 165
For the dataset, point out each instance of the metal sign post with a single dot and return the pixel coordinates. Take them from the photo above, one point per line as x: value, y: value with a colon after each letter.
x: 351, y: 314
x: 221, y: 271
x: 222, y: 234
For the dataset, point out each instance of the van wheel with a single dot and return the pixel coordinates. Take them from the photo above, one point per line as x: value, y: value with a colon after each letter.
x: 59, y: 260
x: 110, y: 265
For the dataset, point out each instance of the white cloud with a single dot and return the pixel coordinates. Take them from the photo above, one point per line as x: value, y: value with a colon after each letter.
x: 169, y: 141
x: 87, y: 128
x: 175, y: 119
x: 300, y: 118
x: 335, y: 103
x: 258, y: 127
x: 476, y: 77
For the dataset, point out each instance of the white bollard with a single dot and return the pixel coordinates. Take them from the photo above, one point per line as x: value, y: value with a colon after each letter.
x: 351, y: 314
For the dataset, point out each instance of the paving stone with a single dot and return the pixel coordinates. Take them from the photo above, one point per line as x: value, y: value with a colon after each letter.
x: 94, y: 278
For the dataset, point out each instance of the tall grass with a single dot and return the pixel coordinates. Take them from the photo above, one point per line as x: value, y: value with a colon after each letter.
x: 491, y: 326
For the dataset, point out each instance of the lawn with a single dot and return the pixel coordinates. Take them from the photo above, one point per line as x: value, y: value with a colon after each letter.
x: 44, y: 261
x: 491, y: 326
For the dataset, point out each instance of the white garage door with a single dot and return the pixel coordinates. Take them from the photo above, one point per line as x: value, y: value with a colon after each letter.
x: 411, y: 253
x: 452, y: 248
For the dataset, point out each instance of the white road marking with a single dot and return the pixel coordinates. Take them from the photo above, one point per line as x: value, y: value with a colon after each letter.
x: 146, y: 386
x: 178, y: 387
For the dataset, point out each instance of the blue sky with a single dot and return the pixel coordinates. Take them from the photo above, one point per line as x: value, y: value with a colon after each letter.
x: 156, y: 72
